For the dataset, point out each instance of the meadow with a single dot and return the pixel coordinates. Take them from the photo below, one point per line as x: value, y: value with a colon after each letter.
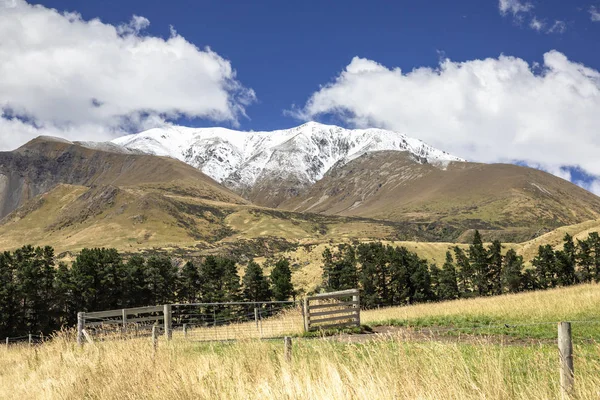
x: 376, y: 367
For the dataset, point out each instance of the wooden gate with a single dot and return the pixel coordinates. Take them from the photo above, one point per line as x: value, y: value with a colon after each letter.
x: 332, y: 310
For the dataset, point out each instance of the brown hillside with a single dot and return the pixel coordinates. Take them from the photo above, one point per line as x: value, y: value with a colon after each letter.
x: 43, y: 163
x: 512, y: 202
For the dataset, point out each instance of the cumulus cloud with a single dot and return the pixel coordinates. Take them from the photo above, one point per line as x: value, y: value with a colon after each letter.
x: 558, y: 27
x: 66, y: 76
x: 493, y: 110
x: 520, y: 11
x: 536, y: 24
x: 595, y: 14
x: 514, y: 6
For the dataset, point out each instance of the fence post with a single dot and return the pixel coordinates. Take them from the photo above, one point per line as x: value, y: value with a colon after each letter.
x: 185, y: 331
x: 565, y: 350
x: 357, y: 306
x: 256, y: 316
x: 287, y: 343
x: 154, y: 338
x: 80, y: 324
x: 306, y: 315
x: 30, y: 340
x: 124, y: 313
x: 167, y: 315
x: 7, y: 343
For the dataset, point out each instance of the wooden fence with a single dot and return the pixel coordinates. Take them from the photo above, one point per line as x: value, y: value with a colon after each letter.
x: 138, y: 316
x: 332, y: 310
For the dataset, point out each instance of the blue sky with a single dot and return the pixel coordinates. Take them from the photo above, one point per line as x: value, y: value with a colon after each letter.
x: 285, y: 49
x: 487, y: 80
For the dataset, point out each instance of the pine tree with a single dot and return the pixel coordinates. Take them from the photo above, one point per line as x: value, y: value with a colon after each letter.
x: 189, y: 283
x: 256, y: 286
x: 529, y: 280
x: 512, y: 276
x: 8, y: 295
x: 34, y: 279
x: 281, y: 281
x: 594, y: 241
x: 230, y: 279
x: 161, y: 279
x: 566, y: 262
x: 98, y: 276
x: 434, y: 273
x: 420, y: 281
x: 135, y: 291
x: 545, y: 267
x: 464, y: 273
x: 585, y: 260
x: 340, y: 268
x: 480, y: 265
x: 64, y: 307
x: 373, y: 274
x: 494, y: 272
x: 448, y: 289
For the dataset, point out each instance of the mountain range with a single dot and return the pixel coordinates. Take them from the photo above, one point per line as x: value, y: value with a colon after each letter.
x: 213, y: 188
x: 268, y: 168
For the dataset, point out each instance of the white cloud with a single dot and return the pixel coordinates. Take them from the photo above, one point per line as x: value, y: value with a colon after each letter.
x: 514, y: 6
x: 558, y: 27
x: 62, y: 75
x: 537, y: 24
x: 494, y: 110
x: 595, y: 14
x: 520, y: 10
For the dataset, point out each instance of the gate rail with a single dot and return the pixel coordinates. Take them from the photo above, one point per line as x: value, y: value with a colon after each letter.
x: 332, y: 310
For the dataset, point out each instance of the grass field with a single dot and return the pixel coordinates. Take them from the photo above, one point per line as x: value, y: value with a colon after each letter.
x: 386, y: 367
x: 530, y: 315
x: 319, y: 370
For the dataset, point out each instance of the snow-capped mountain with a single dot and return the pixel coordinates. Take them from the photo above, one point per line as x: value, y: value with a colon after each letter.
x: 299, y: 156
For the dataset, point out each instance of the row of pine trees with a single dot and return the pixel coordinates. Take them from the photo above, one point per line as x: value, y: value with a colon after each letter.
x: 389, y: 276
x: 39, y: 296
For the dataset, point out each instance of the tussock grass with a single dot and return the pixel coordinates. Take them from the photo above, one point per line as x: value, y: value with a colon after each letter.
x: 387, y: 367
x: 320, y: 369
x: 575, y: 303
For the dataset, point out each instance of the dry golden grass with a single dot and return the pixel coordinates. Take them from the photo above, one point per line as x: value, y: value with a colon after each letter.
x: 561, y: 304
x: 320, y: 369
x: 388, y: 367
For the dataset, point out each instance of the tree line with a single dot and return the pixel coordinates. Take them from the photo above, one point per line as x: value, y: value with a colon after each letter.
x: 39, y: 295
x: 389, y: 276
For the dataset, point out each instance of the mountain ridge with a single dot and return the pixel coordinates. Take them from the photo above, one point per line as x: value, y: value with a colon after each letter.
x: 394, y: 186
x: 268, y: 168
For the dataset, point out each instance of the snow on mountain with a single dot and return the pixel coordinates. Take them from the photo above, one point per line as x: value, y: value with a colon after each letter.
x: 303, y: 154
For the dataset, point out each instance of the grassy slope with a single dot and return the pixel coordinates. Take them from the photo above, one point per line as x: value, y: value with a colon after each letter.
x: 537, y: 312
x: 507, y: 201
x: 382, y: 369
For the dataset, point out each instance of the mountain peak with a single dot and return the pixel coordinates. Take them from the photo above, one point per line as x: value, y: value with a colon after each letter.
x: 298, y: 156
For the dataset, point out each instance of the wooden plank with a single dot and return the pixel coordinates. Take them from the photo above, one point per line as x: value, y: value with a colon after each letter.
x: 143, y: 310
x: 146, y: 319
x: 343, y: 317
x: 333, y: 312
x: 330, y: 326
x: 104, y: 314
x: 329, y: 305
x: 332, y: 295
x: 87, y: 336
x: 100, y: 323
x: 119, y: 313
x: 565, y: 351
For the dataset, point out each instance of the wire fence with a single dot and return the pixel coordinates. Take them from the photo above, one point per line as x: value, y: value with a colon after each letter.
x: 234, y: 321
x: 200, y: 321
x: 25, y: 339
